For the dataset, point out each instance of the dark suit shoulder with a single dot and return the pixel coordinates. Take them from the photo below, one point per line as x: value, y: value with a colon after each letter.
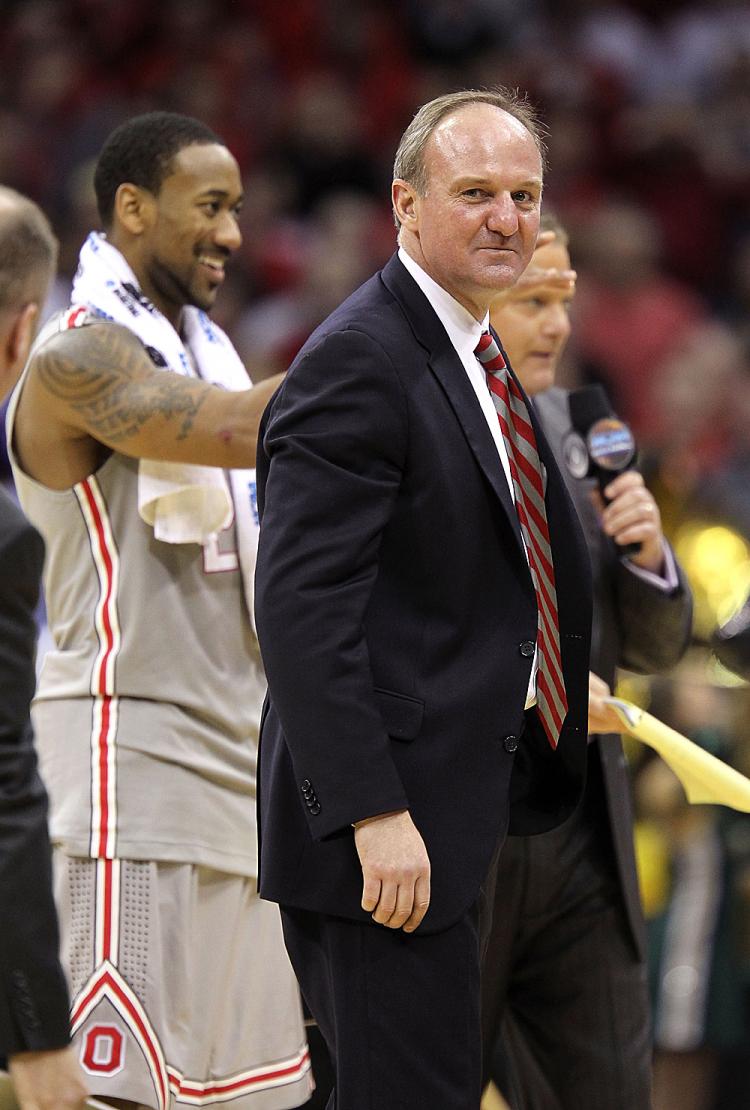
x: 345, y: 384
x: 357, y: 358
x: 393, y: 311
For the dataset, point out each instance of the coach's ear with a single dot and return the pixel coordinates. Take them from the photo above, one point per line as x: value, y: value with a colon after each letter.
x: 15, y: 344
x: 405, y: 201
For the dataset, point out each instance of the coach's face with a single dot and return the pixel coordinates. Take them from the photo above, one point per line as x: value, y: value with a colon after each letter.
x: 475, y: 228
x: 191, y: 229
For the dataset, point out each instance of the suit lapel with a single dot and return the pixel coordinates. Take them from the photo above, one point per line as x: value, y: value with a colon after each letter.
x: 451, y: 375
x: 448, y: 369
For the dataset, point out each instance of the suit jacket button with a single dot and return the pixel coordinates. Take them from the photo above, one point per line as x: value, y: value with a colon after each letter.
x: 510, y: 742
x: 306, y: 785
x: 315, y: 808
x: 526, y: 648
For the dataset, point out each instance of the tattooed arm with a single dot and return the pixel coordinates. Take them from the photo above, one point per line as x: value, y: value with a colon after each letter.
x: 94, y: 389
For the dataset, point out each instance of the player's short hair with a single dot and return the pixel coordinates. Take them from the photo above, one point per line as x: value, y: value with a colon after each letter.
x: 141, y: 151
x: 28, y: 251
x: 409, y: 163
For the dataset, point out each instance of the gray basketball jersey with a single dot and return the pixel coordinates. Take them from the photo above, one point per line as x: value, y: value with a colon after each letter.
x: 147, y: 707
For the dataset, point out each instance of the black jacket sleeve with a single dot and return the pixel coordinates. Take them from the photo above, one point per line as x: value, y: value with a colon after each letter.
x: 33, y: 993
x: 335, y: 444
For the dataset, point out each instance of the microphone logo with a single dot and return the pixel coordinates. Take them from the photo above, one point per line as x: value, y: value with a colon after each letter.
x: 576, y: 455
x: 610, y: 444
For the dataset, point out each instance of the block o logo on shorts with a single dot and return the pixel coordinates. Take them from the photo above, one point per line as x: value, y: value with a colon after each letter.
x: 103, y: 1050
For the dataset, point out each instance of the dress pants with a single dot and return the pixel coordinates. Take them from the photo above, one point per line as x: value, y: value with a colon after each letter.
x: 561, y: 977
x: 400, y: 1013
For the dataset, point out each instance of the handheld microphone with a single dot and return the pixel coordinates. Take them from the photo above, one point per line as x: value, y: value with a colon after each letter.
x: 601, y: 445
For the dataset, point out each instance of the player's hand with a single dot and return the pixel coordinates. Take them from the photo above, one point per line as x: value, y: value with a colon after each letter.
x: 632, y: 516
x: 50, y: 1080
x: 602, y: 717
x: 395, y: 870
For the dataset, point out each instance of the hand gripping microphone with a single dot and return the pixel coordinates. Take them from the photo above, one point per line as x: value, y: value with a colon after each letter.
x: 601, y: 445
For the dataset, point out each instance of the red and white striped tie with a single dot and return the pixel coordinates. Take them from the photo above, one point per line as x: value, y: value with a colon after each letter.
x: 526, y: 472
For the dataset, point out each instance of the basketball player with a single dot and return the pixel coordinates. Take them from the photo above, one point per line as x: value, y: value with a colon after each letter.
x: 148, y: 705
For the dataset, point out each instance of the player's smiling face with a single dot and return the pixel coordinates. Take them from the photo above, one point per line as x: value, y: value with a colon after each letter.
x: 194, y: 229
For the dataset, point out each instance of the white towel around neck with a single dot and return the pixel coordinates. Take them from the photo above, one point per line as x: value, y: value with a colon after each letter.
x: 184, y: 503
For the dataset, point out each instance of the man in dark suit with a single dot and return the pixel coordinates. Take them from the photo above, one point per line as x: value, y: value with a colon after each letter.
x: 411, y: 653
x: 568, y: 936
x: 33, y: 995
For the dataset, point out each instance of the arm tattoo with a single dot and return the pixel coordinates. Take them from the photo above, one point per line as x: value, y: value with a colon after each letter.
x: 103, y: 372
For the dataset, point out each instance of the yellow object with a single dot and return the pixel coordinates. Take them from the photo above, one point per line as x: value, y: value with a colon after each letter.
x: 716, y: 560
x: 704, y: 777
x: 652, y: 865
x: 493, y: 1100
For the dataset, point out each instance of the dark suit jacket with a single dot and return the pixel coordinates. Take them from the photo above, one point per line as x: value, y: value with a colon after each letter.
x: 636, y: 625
x: 33, y: 994
x: 395, y: 612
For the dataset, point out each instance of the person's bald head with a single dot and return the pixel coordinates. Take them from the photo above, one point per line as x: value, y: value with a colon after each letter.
x: 28, y: 258
x: 28, y: 251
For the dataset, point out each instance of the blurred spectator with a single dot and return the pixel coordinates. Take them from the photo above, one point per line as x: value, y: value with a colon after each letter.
x: 336, y: 253
x: 694, y: 398
x: 735, y: 306
x: 322, y: 144
x: 630, y: 315
x: 695, y: 910
x: 617, y: 38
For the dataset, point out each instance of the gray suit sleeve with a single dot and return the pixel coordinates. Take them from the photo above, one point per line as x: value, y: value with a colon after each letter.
x: 655, y: 623
x: 638, y: 625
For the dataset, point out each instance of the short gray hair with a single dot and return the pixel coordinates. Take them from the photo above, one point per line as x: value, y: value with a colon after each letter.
x: 409, y: 163
x: 28, y: 251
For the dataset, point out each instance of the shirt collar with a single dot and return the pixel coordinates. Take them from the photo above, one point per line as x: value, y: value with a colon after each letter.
x: 463, y: 330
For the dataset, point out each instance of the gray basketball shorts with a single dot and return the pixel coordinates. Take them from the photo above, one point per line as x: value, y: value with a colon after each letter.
x: 183, y: 994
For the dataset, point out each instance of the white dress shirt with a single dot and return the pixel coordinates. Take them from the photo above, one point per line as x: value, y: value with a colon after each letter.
x: 464, y: 333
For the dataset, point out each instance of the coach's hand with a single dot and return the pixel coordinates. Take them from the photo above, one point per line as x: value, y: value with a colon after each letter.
x: 395, y: 870
x: 49, y: 1080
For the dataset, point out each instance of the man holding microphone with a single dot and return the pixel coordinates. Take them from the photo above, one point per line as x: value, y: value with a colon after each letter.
x: 564, y: 974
